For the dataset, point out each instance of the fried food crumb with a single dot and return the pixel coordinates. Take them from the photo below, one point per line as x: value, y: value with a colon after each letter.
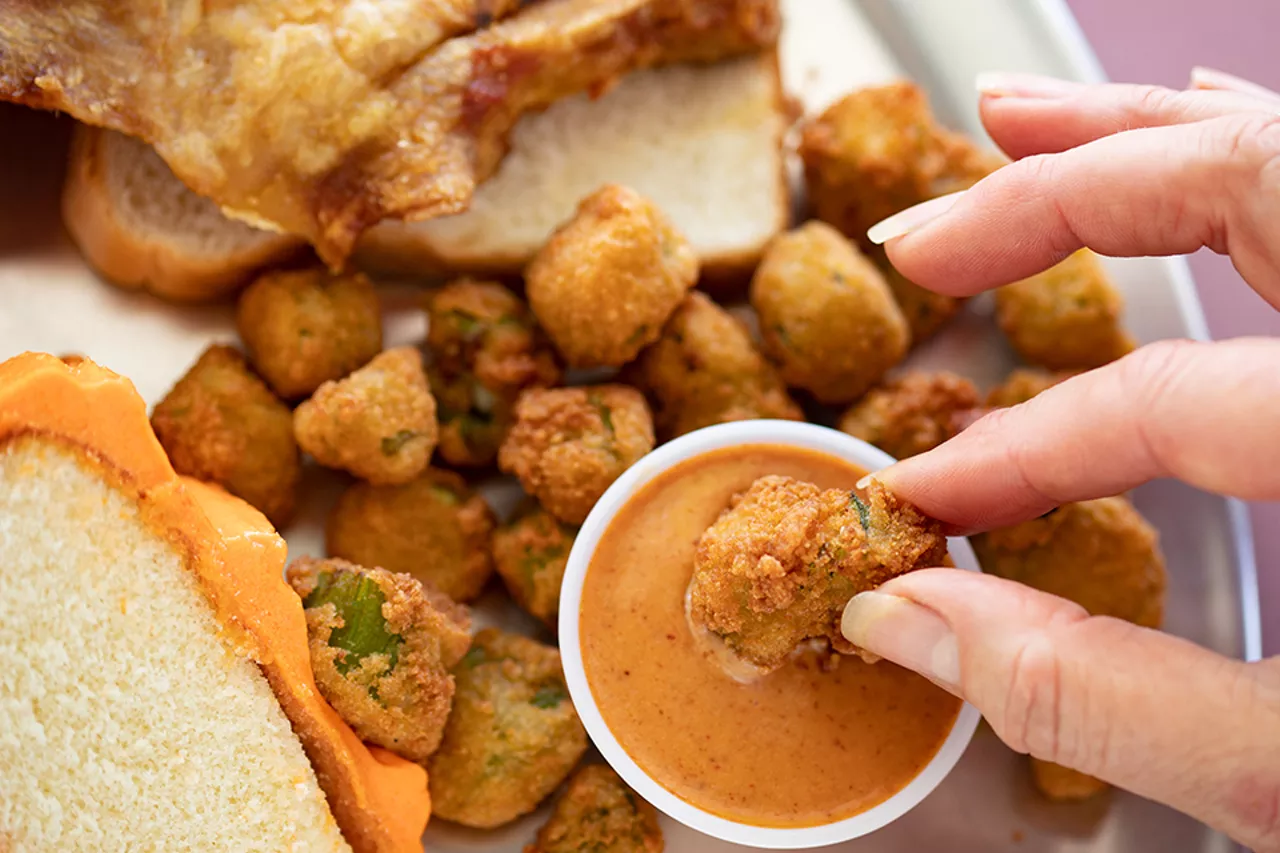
x: 913, y: 413
x: 597, y: 811
x: 569, y: 444
x: 381, y: 648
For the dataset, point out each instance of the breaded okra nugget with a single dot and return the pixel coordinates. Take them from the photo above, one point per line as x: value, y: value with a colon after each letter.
x: 608, y: 279
x: 598, y: 812
x: 1067, y: 317
x: 912, y: 413
x: 434, y: 528
x: 1023, y: 384
x: 779, y: 565
x: 569, y: 444
x: 379, y: 423
x: 381, y: 648
x: 1101, y: 554
x: 306, y: 327
x: 530, y: 553
x: 485, y: 347
x: 705, y: 370
x: 827, y: 318
x: 220, y: 423
x: 512, y: 737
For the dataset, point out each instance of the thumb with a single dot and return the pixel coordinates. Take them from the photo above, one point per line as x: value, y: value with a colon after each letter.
x: 1140, y: 709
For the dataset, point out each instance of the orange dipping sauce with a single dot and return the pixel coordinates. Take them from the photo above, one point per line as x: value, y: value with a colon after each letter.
x: 800, y: 747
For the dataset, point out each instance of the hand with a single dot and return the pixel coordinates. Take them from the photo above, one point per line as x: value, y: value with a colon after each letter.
x: 1123, y: 170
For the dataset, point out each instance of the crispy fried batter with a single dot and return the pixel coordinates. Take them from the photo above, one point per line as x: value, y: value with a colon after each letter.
x: 485, y: 348
x: 1067, y: 317
x: 325, y: 116
x: 221, y: 424
x: 827, y: 319
x: 913, y: 413
x: 381, y: 648
x: 569, y: 444
x: 780, y: 564
x: 1023, y: 384
x: 609, y: 278
x: 531, y: 552
x: 597, y: 811
x: 434, y: 528
x: 513, y: 735
x: 1101, y: 554
x: 705, y: 370
x: 379, y: 423
x: 303, y: 328
x: 878, y: 151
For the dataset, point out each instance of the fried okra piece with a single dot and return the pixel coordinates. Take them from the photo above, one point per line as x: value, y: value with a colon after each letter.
x: 381, y: 648
x: 913, y: 413
x: 220, y: 423
x: 303, y: 328
x: 597, y: 811
x: 608, y: 279
x: 530, y: 553
x: 433, y: 528
x: 569, y: 444
x: 779, y: 565
x: 705, y: 370
x: 1023, y: 384
x: 379, y: 423
x: 485, y: 348
x: 512, y: 737
x: 1101, y: 554
x: 878, y: 151
x: 1068, y: 317
x: 827, y: 318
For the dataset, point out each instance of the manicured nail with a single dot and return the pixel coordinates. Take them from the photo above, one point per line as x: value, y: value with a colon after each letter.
x: 1211, y: 78
x: 909, y: 634
x: 865, y: 482
x: 912, y: 218
x: 999, y: 84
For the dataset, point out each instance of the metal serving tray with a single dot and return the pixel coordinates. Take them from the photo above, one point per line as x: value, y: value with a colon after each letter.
x: 50, y: 301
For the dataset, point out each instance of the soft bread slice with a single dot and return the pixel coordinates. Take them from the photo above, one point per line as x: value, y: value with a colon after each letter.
x: 140, y: 227
x: 157, y: 692
x: 703, y: 142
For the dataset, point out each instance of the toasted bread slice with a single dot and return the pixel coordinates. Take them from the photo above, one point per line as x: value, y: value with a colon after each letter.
x: 140, y: 227
x: 157, y: 691
x: 703, y: 142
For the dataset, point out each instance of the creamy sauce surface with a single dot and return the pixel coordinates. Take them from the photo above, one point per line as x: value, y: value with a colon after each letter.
x: 800, y: 747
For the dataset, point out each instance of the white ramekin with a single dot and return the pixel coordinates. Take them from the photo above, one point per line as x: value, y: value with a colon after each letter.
x: 791, y: 434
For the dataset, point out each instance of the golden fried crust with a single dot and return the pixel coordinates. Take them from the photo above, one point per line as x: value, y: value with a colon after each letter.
x: 322, y: 116
x: 925, y: 310
x: 780, y: 564
x: 827, y: 318
x: 434, y: 528
x: 705, y: 370
x: 485, y: 347
x: 1067, y: 317
x: 913, y: 413
x: 303, y: 328
x: 379, y: 423
x: 531, y: 553
x: 1064, y: 784
x: 597, y: 811
x: 569, y: 444
x: 513, y: 735
x: 400, y: 704
x: 221, y: 424
x: 608, y: 279
x: 1023, y: 384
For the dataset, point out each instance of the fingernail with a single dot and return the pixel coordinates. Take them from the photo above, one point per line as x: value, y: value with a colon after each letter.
x: 865, y: 482
x: 912, y: 218
x: 909, y: 634
x: 1212, y: 78
x: 1000, y: 84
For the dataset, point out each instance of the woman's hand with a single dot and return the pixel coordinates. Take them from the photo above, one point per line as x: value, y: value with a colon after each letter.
x: 1123, y: 170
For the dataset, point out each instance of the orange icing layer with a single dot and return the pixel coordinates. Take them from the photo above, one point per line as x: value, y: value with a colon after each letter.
x: 379, y: 800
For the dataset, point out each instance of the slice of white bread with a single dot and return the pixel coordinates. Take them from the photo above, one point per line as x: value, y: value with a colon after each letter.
x: 140, y: 227
x: 156, y: 691
x: 703, y: 142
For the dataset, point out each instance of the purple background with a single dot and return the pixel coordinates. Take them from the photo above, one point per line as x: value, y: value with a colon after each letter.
x: 1158, y: 41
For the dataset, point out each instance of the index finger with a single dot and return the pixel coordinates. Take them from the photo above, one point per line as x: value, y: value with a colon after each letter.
x: 1204, y: 413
